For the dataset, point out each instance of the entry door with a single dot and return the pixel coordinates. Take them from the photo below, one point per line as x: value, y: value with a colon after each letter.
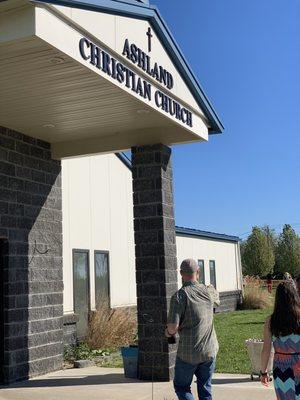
x: 201, y: 271
x: 81, y: 290
x: 3, y: 253
x: 212, y: 272
x: 102, y: 278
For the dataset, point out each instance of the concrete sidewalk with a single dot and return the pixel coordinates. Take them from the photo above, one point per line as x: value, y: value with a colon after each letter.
x: 109, y: 384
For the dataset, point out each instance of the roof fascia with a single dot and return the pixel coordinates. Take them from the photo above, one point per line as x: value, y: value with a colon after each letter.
x: 136, y: 2
x: 186, y: 72
x: 152, y: 14
x: 206, y: 235
x: 144, y: 3
x: 125, y: 160
x: 128, y: 8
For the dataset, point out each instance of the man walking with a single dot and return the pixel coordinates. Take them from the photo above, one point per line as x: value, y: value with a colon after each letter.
x: 191, y: 315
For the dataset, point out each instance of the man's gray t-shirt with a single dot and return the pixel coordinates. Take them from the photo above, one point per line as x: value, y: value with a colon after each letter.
x: 192, y: 308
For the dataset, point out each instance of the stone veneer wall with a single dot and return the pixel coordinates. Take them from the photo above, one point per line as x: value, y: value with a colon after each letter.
x: 156, y: 263
x: 230, y: 301
x: 69, y: 328
x: 31, y: 220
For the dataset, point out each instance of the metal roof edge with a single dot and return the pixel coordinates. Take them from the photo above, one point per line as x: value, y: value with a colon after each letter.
x: 188, y: 75
x: 144, y: 3
x: 204, y: 234
x: 151, y: 13
x: 125, y: 160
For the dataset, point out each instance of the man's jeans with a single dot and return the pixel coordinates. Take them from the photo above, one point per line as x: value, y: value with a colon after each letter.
x: 184, y: 373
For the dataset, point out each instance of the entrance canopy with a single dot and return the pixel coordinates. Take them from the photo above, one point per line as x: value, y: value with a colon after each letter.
x: 97, y: 77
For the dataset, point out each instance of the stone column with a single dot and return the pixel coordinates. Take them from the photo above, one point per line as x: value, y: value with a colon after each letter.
x: 32, y: 286
x: 156, y: 263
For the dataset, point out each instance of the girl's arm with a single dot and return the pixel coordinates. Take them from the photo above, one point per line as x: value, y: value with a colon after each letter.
x: 266, y: 352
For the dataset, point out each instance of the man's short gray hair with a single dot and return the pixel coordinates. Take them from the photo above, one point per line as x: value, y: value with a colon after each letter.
x: 189, y: 266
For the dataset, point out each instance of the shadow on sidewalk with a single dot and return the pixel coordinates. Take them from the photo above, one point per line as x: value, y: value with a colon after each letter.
x: 101, y: 379
x: 227, y: 381
x: 84, y: 380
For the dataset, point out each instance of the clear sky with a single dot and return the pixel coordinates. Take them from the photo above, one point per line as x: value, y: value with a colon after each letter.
x: 246, y: 55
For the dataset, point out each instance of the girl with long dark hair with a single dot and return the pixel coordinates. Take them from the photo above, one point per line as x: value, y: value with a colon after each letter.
x: 283, y: 330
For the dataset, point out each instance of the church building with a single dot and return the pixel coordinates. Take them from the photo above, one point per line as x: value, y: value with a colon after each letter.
x: 80, y: 83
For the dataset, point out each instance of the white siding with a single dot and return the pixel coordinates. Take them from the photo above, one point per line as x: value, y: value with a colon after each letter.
x: 98, y: 215
x: 225, y: 255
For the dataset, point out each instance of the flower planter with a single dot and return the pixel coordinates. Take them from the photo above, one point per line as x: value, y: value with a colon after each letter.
x: 254, y: 348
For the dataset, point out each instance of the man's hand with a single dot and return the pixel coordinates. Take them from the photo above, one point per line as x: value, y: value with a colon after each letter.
x: 171, y: 330
x: 167, y: 334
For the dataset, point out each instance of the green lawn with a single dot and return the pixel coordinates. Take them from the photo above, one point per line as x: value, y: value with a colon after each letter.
x: 233, y: 329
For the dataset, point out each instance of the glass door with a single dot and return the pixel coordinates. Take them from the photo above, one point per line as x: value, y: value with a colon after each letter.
x: 201, y: 271
x: 102, y: 278
x: 212, y: 272
x: 81, y: 290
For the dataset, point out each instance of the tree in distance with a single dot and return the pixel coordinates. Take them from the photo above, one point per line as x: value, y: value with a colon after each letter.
x: 258, y: 255
x: 288, y: 252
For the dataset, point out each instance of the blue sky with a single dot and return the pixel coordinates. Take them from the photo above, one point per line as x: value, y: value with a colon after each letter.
x: 246, y: 56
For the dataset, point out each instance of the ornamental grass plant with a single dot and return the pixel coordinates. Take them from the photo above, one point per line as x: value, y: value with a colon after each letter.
x: 112, y: 328
x: 255, y: 297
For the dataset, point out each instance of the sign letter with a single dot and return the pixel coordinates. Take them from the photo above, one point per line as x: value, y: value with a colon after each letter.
x: 126, y: 50
x: 84, y: 42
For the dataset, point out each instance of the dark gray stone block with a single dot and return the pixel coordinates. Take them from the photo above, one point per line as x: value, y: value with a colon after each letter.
x: 30, y: 215
x: 230, y: 301
x: 83, y: 364
x: 156, y: 265
x: 69, y: 329
x: 45, y: 365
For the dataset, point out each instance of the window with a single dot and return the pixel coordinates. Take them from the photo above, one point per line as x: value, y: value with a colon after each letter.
x: 81, y: 290
x: 201, y: 271
x: 212, y: 273
x: 101, y: 276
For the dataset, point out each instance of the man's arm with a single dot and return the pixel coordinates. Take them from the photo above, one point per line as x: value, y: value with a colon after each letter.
x: 174, y: 316
x: 214, y: 294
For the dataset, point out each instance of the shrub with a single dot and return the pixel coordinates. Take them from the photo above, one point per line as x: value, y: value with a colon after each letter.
x: 112, y: 328
x: 82, y: 352
x: 255, y: 297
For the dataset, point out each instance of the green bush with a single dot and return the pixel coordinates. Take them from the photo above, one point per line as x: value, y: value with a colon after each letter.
x: 83, y: 352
